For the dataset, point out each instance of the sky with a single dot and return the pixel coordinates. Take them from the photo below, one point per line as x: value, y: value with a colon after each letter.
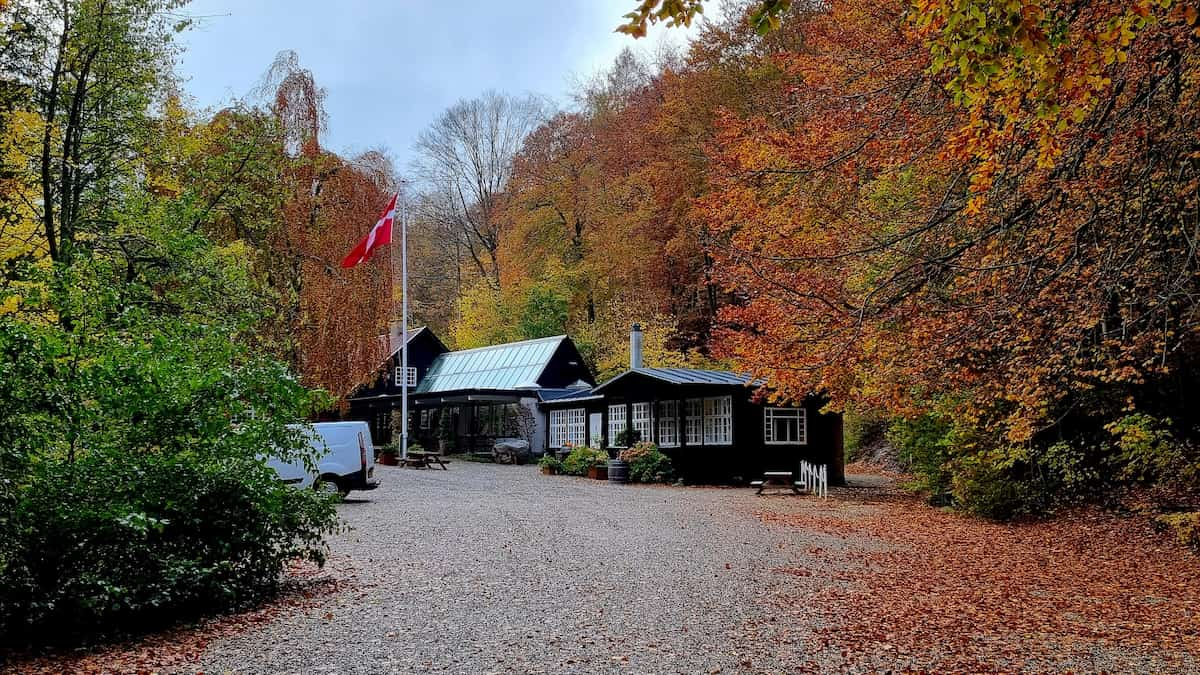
x: 390, y: 67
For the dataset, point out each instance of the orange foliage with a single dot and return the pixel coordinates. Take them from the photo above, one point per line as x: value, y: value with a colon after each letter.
x: 890, y: 236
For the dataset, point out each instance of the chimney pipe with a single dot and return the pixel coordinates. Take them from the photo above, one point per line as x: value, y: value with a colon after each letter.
x: 635, y: 346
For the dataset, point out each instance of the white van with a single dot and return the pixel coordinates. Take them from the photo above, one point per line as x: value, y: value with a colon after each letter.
x: 345, y: 459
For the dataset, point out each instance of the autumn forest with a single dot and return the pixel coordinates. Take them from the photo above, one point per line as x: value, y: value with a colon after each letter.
x: 974, y: 225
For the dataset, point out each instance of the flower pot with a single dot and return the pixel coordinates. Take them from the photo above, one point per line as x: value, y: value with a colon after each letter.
x: 388, y: 460
x: 597, y: 472
x: 618, y: 471
x: 549, y: 470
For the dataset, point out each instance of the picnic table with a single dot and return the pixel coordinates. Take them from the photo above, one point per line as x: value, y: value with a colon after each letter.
x: 781, y: 479
x: 423, y: 459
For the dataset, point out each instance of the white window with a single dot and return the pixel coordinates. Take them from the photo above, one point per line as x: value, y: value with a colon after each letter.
x: 694, y: 408
x: 718, y: 420
x: 668, y: 424
x: 567, y: 427
x: 785, y: 426
x: 616, y: 424
x: 412, y: 376
x: 642, y: 421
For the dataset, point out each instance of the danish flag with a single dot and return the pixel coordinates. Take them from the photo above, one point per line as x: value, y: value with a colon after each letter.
x: 380, y: 235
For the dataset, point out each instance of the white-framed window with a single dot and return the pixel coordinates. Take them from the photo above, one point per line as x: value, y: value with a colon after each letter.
x: 425, y: 419
x: 785, y: 426
x: 642, y: 421
x: 718, y: 420
x: 399, y: 375
x: 694, y: 416
x: 616, y: 424
x: 567, y: 426
x: 668, y: 424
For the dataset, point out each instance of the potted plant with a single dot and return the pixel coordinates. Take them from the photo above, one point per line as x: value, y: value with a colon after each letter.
x: 599, y: 468
x: 387, y: 456
x: 550, y: 464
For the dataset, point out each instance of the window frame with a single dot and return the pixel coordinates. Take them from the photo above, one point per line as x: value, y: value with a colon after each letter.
x: 797, y: 415
x: 718, y: 420
x: 616, y: 424
x: 642, y: 420
x: 568, y: 426
x: 412, y: 376
x: 668, y: 424
x: 694, y: 421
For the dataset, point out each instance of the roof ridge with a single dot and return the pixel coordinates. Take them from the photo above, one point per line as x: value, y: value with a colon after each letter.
x: 506, y: 344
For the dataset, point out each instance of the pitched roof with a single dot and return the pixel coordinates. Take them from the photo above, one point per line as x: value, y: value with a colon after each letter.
x: 412, y: 335
x: 515, y: 365
x: 570, y: 394
x: 688, y: 376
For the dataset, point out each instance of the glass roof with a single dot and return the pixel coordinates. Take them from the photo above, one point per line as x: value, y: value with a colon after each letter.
x: 509, y: 366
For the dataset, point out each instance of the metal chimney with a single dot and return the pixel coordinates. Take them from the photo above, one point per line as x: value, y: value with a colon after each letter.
x: 635, y: 346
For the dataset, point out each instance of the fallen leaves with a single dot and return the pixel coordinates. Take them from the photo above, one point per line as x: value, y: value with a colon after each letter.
x: 179, y: 649
x: 952, y: 593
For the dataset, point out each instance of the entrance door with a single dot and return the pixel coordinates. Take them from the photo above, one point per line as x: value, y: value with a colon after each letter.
x: 595, y: 429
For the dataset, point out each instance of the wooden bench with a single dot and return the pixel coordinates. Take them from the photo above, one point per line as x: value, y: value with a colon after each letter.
x: 424, y: 460
x: 780, y: 479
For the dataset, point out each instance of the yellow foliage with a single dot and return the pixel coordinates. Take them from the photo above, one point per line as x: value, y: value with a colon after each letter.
x: 20, y: 231
x: 483, y: 320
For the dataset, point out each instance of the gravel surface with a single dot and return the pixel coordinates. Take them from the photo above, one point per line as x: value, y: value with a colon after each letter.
x: 490, y: 569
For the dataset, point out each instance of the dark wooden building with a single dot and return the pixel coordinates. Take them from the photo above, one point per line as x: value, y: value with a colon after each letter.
x: 470, y: 398
x: 709, y: 422
x: 375, y: 401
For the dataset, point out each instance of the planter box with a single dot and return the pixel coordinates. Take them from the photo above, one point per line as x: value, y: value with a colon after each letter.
x: 388, y: 460
x: 549, y: 471
x: 598, y: 472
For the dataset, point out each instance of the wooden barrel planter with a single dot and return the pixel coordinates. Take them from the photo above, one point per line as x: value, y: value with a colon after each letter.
x: 618, y: 471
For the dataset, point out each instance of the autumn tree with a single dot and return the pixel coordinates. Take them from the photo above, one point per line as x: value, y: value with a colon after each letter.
x: 972, y: 246
x: 335, y: 315
x: 464, y: 165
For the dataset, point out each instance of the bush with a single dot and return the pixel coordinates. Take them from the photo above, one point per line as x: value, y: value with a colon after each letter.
x: 924, y: 444
x: 130, y: 540
x: 647, y: 464
x: 579, y: 459
x: 549, y: 461
x: 131, y: 495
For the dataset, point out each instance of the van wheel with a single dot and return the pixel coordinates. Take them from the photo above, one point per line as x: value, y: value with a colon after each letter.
x: 329, y: 485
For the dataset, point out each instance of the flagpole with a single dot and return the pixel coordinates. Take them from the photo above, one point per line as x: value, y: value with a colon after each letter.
x: 404, y: 318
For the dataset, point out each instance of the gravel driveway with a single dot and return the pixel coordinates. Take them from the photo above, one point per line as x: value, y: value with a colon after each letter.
x: 487, y: 568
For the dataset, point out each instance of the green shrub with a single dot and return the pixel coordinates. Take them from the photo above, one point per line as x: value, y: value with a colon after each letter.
x: 1185, y: 527
x: 131, y: 541
x: 924, y: 444
x: 647, y: 464
x: 983, y: 488
x: 549, y: 461
x: 131, y: 495
x: 579, y: 459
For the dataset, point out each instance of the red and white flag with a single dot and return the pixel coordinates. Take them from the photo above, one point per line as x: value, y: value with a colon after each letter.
x: 380, y: 235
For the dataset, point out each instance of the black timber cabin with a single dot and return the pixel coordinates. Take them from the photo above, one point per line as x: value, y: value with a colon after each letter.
x: 462, y: 401
x: 472, y: 397
x: 710, y: 422
x: 374, y: 402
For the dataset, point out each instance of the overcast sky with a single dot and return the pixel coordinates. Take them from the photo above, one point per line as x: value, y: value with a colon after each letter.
x: 391, y: 66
